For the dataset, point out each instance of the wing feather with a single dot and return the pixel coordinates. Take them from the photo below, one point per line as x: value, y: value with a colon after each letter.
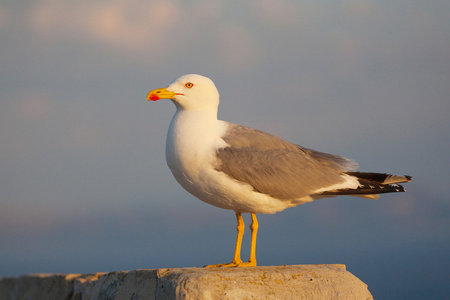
x: 274, y: 166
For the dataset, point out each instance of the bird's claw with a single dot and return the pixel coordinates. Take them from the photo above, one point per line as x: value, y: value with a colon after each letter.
x: 233, y: 264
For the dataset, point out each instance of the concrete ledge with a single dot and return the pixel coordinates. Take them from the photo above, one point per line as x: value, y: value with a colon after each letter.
x: 272, y: 282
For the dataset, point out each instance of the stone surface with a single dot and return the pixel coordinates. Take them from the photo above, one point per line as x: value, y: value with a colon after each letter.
x: 139, y: 284
x: 272, y: 282
x: 37, y: 286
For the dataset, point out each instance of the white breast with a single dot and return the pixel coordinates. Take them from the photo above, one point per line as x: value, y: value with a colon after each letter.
x: 192, y: 141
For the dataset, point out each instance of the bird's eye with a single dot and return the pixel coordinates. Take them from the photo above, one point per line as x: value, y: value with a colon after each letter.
x: 189, y: 85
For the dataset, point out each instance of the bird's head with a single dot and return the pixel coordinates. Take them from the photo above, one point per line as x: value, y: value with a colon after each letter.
x: 189, y: 92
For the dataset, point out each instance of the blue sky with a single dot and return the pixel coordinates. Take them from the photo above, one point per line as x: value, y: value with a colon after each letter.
x: 83, y: 182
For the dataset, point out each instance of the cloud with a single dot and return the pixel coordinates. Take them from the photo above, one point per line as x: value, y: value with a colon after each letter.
x: 157, y: 30
x: 127, y: 24
x: 153, y: 28
x: 33, y: 106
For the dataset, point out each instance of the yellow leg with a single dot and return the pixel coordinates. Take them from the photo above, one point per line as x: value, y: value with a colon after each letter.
x: 237, y: 262
x: 240, y: 233
x: 254, y: 228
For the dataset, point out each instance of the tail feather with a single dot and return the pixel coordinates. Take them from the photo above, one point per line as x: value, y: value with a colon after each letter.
x: 371, y: 184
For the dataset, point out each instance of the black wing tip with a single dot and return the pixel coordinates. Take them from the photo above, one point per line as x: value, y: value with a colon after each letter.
x: 373, y: 183
x: 380, y: 178
x: 409, y: 178
x: 369, y: 187
x: 383, y: 189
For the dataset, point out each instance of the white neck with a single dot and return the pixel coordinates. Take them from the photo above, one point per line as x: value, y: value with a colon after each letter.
x: 192, y: 134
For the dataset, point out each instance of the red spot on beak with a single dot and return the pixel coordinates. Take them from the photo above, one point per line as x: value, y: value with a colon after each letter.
x: 154, y: 97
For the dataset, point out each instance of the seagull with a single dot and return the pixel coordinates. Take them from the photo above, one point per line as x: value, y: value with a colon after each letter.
x: 250, y: 171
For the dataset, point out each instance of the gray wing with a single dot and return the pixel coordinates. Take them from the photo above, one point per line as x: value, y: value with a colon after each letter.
x: 276, y: 167
x: 334, y: 161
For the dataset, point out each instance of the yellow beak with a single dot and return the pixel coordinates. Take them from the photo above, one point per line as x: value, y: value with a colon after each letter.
x: 157, y: 94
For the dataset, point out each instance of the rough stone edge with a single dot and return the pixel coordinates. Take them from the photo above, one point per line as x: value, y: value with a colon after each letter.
x: 323, y: 281
x: 143, y: 284
x: 33, y: 286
